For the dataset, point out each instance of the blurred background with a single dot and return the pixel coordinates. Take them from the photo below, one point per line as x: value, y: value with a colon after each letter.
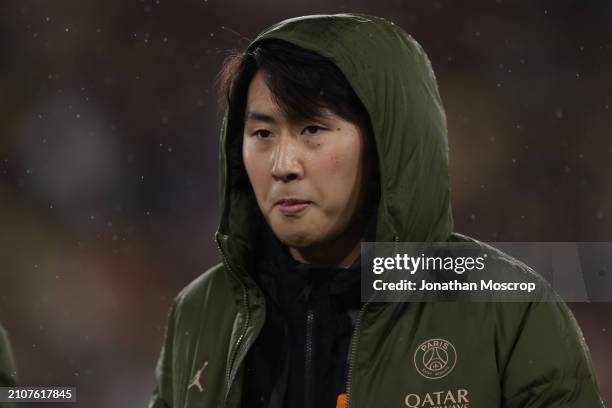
x: 108, y: 158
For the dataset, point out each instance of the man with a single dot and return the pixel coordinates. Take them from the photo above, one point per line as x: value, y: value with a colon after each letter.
x: 335, y: 134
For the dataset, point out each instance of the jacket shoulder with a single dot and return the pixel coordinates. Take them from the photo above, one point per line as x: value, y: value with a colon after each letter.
x: 542, y: 351
x: 504, y: 267
x: 214, y: 282
x: 209, y: 303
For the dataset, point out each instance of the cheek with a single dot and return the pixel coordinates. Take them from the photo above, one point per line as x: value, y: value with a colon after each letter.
x: 344, y: 164
x: 256, y: 169
x: 339, y: 176
x: 335, y: 163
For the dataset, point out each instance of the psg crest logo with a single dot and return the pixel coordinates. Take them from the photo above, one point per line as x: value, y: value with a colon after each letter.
x: 435, y: 358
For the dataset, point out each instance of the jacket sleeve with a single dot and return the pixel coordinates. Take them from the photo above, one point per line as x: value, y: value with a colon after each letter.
x: 550, y: 365
x: 7, y: 363
x: 8, y: 372
x: 163, y: 393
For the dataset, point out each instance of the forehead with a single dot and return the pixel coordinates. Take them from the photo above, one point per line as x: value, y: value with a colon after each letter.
x: 262, y: 106
x: 259, y: 97
x: 258, y: 89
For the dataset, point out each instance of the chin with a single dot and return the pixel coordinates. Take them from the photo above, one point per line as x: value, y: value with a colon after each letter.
x: 295, y: 237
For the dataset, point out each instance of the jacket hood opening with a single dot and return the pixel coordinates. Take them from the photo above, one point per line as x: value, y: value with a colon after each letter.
x: 393, y: 78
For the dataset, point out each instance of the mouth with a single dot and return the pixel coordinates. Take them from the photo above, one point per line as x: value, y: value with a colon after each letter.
x: 292, y: 206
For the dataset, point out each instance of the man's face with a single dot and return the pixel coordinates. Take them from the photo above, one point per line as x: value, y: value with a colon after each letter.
x: 308, y: 176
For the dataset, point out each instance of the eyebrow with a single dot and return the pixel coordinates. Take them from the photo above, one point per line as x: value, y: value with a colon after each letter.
x: 262, y: 117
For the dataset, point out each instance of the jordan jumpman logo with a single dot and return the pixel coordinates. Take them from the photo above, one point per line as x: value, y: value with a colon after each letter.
x: 195, y: 382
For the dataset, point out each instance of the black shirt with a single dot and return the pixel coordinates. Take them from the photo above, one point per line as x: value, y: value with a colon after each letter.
x: 300, y: 358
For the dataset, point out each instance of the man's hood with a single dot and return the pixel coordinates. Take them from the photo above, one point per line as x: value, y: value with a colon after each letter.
x: 393, y: 77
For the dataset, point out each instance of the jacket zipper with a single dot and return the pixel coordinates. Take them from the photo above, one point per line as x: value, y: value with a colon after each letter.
x: 355, y: 343
x: 353, y: 354
x: 308, y: 359
x: 245, y: 303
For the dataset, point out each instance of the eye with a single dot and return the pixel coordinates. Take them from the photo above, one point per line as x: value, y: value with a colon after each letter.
x: 312, y: 130
x: 262, y: 133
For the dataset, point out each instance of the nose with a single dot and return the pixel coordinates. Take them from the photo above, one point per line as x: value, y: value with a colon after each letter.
x: 286, y: 162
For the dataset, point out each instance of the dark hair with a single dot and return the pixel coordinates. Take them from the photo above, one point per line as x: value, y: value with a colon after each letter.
x: 303, y: 83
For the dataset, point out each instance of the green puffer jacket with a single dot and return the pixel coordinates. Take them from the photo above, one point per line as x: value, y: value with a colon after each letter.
x: 513, y: 355
x: 7, y: 365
